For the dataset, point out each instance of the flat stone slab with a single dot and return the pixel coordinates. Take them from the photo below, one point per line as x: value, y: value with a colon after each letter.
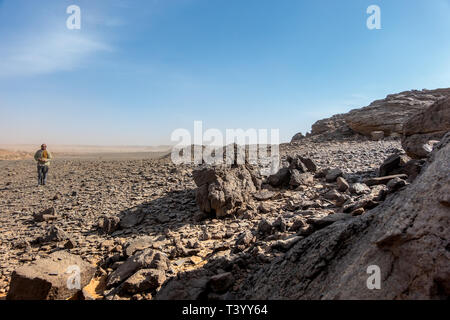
x: 131, y: 218
x: 384, y: 180
x: 53, y: 278
x: 138, y: 245
x: 265, y: 195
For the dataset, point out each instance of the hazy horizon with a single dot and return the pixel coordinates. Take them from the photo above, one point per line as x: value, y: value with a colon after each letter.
x: 136, y: 70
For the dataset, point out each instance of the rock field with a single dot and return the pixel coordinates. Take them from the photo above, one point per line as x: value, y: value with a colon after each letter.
x: 150, y: 229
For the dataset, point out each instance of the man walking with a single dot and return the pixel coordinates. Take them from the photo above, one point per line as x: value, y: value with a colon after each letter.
x: 43, y: 158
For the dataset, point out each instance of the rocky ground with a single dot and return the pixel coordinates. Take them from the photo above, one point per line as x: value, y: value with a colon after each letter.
x: 143, y: 228
x: 82, y: 192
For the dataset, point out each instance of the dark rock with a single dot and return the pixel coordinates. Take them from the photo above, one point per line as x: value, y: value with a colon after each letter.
x: 412, y: 169
x: 309, y: 163
x: 321, y: 174
x: 146, y: 259
x: 395, y: 184
x: 21, y: 244
x: 53, y: 234
x: 429, y: 124
x: 279, y: 224
x: 297, y: 164
x: 263, y: 208
x: 300, y: 179
x: 337, y: 197
x: 393, y: 165
x: 144, y: 280
x: 264, y: 227
x: 109, y: 224
x: 132, y: 217
x: 45, y: 215
x: 333, y: 174
x: 342, y: 184
x: 281, y: 178
x: 221, y: 283
x: 301, y: 164
x: 245, y: 238
x: 299, y: 223
x: 185, y: 286
x: 69, y: 244
x: 225, y: 190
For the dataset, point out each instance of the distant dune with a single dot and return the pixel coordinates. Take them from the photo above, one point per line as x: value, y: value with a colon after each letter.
x: 84, y: 149
x: 14, y: 155
x: 23, y: 152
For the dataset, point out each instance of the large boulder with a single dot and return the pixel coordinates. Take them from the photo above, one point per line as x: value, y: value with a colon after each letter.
x: 54, y: 278
x: 406, y: 238
x: 425, y: 126
x: 390, y: 114
x: 223, y: 190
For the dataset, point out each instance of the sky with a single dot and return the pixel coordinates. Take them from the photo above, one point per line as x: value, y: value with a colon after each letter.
x: 138, y: 70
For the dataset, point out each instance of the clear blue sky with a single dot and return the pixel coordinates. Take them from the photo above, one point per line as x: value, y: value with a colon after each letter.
x: 137, y: 70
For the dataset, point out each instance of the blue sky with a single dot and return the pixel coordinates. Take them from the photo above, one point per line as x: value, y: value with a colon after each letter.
x: 137, y: 70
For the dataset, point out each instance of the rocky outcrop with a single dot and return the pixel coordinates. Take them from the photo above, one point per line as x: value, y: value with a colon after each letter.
x: 428, y: 125
x: 327, y: 125
x: 297, y: 137
x: 59, y: 277
x: 390, y: 114
x: 223, y: 190
x: 406, y: 237
x: 138, y: 220
x: 298, y: 173
x: 382, y: 118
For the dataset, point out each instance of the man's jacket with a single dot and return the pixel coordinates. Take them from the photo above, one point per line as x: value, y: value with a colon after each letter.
x: 44, y: 154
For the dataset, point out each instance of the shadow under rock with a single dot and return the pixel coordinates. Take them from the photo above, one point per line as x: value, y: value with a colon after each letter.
x: 171, y: 211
